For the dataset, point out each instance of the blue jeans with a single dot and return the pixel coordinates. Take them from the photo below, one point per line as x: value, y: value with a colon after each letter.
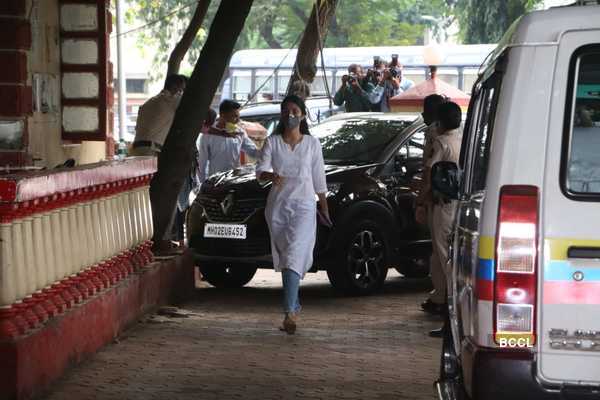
x: 291, y: 284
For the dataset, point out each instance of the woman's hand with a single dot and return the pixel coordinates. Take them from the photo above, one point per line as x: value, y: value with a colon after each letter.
x: 277, y: 180
x: 325, y: 213
x: 271, y: 176
x: 324, y: 209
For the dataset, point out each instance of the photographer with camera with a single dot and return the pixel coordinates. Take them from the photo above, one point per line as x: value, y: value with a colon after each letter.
x: 388, y: 87
x: 405, y: 83
x: 355, y: 91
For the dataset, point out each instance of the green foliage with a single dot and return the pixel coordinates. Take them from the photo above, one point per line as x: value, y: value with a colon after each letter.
x: 485, y: 21
x: 279, y: 23
x: 357, y: 23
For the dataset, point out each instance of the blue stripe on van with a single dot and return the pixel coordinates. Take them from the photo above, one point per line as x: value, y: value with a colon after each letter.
x: 564, y: 270
x: 485, y: 269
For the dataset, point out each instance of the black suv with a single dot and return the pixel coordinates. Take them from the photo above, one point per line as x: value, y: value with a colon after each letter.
x: 373, y: 165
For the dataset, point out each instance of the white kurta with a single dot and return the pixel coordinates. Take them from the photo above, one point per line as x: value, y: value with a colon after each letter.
x: 291, y: 207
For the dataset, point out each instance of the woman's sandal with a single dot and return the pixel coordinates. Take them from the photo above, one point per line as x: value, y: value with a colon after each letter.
x: 289, y: 324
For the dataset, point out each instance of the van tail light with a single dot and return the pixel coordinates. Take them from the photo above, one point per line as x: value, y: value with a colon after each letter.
x: 516, y: 266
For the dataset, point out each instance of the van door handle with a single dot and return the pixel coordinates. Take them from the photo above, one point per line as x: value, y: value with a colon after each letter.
x: 583, y: 252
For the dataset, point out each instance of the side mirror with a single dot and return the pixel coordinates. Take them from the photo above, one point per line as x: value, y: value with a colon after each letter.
x: 445, y: 179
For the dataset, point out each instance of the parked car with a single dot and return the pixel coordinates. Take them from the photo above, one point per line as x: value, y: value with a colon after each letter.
x: 373, y: 165
x: 524, y: 298
x: 267, y: 113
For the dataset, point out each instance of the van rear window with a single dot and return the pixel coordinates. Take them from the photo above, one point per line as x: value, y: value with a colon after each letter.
x: 582, y: 170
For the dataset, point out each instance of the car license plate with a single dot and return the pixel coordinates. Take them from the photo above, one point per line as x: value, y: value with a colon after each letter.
x: 225, y: 231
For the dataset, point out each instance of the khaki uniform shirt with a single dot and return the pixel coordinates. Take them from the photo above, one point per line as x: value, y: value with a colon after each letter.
x: 446, y: 147
x: 430, y: 134
x: 155, y: 117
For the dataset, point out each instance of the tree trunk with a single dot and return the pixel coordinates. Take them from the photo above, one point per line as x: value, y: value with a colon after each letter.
x: 175, y: 159
x: 308, y: 50
x: 266, y: 31
x: 188, y: 37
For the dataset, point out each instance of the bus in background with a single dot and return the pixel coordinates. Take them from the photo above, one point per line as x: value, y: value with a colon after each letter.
x: 256, y: 70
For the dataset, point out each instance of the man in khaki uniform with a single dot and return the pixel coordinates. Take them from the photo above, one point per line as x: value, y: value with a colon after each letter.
x: 156, y: 116
x: 446, y: 147
x: 437, y: 297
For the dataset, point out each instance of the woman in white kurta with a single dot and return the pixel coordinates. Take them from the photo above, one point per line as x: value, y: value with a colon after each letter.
x: 293, y: 161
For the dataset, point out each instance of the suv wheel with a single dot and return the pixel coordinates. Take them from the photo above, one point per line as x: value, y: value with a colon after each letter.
x: 362, y: 259
x: 450, y: 381
x: 227, y: 275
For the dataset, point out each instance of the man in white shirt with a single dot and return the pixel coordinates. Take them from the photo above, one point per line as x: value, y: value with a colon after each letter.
x: 220, y: 147
x: 156, y: 116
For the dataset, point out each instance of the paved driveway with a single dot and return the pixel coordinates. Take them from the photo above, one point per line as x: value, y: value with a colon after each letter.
x: 226, y: 345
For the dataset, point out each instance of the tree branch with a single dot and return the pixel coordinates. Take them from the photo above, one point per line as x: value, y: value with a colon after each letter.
x: 298, y: 11
x: 308, y: 50
x: 188, y: 37
x: 266, y: 31
x: 175, y: 159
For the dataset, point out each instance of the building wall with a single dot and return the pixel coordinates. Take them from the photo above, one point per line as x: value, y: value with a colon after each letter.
x: 42, y: 144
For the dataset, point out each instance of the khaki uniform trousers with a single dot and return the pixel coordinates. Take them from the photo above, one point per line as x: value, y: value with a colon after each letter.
x: 441, y: 217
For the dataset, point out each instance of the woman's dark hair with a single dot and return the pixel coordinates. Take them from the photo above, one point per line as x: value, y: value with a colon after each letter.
x: 292, y: 98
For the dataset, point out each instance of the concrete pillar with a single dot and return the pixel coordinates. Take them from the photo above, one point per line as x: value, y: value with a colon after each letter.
x: 111, y: 228
x: 95, y: 224
x: 89, y: 234
x: 148, y: 213
x: 82, y: 237
x: 39, y: 255
x: 122, y: 223
x: 132, y: 200
x: 125, y: 219
x: 76, y: 242
x: 139, y: 236
x: 49, y: 251
x: 129, y: 212
x: 118, y: 221
x: 103, y: 242
x: 8, y: 274
x: 19, y: 258
x: 67, y: 243
x: 32, y: 277
x: 142, y: 214
x: 57, y: 243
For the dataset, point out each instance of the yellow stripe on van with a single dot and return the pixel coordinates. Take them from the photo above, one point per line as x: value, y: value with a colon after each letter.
x: 557, y: 248
x: 486, y: 247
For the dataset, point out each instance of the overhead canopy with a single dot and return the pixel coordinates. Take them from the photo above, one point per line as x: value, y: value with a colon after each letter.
x: 412, y: 99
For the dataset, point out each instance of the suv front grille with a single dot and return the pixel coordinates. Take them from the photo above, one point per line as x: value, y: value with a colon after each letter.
x: 239, y: 211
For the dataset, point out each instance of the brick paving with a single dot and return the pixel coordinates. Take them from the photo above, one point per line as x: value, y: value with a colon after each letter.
x: 228, y: 347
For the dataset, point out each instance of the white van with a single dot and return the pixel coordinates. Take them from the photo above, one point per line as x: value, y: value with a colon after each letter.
x: 524, y: 293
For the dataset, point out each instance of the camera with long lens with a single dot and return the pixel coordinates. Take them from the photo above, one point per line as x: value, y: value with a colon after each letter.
x: 394, y: 72
x: 373, y: 76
